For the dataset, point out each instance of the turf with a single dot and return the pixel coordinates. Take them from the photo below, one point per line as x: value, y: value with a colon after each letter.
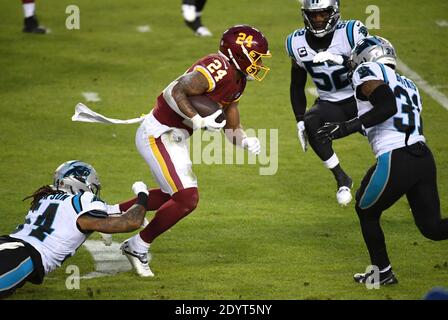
x: 252, y: 236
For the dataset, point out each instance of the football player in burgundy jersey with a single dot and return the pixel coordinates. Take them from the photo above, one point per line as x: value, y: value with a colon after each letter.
x: 161, y: 138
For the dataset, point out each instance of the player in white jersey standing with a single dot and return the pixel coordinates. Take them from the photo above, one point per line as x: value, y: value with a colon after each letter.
x: 60, y: 219
x: 325, y: 37
x: 389, y: 108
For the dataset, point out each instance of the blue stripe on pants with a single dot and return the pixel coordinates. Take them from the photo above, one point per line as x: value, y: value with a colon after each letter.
x: 378, y: 181
x: 17, y: 275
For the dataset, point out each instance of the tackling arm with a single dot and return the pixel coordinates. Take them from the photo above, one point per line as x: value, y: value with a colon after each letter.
x: 382, y: 99
x: 384, y: 105
x: 129, y: 221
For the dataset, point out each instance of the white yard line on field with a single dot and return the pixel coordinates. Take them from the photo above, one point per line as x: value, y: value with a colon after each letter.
x: 144, y: 29
x: 421, y: 83
x: 312, y: 91
x: 91, y: 96
x: 108, y: 259
x: 442, y: 23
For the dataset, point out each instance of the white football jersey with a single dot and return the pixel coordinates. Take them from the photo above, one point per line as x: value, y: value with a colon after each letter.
x: 391, y: 134
x: 52, y: 230
x: 331, y: 80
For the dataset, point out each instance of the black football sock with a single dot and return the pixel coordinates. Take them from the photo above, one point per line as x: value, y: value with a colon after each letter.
x: 200, y: 5
x: 30, y: 23
x: 341, y: 177
x: 195, y: 24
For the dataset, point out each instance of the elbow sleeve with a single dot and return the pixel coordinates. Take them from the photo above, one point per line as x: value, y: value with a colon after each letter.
x: 384, y: 106
x: 297, y: 92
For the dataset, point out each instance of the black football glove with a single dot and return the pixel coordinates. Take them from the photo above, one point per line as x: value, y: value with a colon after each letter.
x: 336, y: 130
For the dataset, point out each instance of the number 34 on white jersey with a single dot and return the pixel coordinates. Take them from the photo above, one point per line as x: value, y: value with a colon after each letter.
x: 51, y: 227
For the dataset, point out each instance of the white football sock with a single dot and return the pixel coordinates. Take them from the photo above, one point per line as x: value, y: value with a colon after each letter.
x: 137, y: 244
x: 189, y: 12
x: 28, y: 9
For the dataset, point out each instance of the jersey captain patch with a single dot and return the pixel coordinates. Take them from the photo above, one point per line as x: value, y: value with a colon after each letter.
x: 302, y: 52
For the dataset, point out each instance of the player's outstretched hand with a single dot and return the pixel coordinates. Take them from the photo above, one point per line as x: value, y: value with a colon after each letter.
x: 301, y: 133
x: 326, y: 56
x: 336, y: 130
x: 252, y: 144
x: 138, y: 187
x: 328, y: 132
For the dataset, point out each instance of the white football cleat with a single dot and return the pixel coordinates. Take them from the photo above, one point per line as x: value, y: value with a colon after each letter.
x: 189, y: 12
x: 203, y: 32
x: 139, y: 261
x: 344, y: 196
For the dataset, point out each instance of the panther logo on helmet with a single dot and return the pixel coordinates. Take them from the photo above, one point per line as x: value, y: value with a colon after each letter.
x: 374, y: 49
x: 79, y: 172
x: 245, y: 47
x: 76, y: 176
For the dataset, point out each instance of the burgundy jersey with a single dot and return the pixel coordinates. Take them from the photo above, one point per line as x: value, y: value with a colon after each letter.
x: 225, y: 87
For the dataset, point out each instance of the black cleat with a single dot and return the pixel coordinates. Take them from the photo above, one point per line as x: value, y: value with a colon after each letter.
x: 386, y: 278
x: 31, y: 25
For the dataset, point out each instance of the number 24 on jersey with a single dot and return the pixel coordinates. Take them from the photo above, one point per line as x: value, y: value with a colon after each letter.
x: 216, y: 66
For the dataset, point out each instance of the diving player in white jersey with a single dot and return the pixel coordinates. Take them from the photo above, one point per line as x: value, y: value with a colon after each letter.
x: 389, y: 112
x: 325, y: 36
x: 60, y: 219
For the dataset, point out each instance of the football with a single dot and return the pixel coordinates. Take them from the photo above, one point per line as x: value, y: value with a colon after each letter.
x: 206, y: 106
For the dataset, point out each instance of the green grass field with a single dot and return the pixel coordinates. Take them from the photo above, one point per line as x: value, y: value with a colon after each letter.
x: 252, y: 236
